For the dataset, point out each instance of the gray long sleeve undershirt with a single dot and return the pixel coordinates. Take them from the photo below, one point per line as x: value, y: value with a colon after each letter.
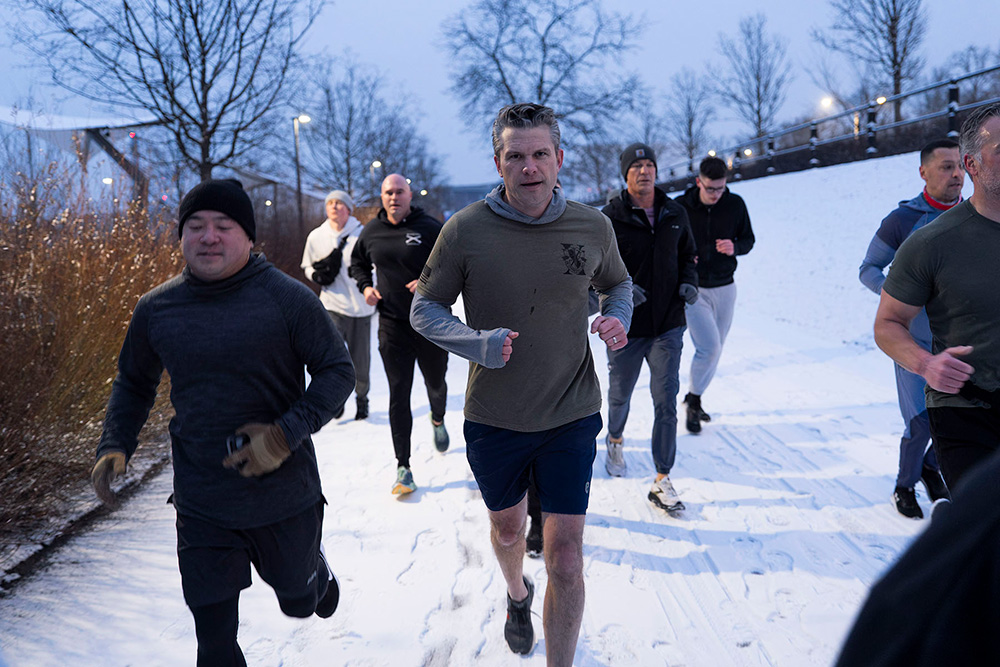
x: 438, y: 324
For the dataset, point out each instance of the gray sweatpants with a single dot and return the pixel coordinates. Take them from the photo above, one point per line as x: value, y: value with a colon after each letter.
x: 708, y: 322
x: 357, y: 333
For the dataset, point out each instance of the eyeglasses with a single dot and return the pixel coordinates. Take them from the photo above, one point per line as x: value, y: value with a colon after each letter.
x: 713, y: 190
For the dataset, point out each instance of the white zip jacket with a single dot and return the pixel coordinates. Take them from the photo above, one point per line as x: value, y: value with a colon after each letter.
x: 342, y: 296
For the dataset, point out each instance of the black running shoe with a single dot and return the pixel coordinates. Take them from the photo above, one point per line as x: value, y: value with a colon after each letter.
x: 362, y: 412
x: 934, y: 483
x: 693, y: 416
x: 328, y: 603
x: 339, y: 412
x: 533, y: 541
x: 517, y: 630
x: 906, y: 503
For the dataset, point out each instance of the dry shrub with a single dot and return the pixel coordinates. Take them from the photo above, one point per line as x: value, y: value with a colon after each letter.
x: 71, y: 270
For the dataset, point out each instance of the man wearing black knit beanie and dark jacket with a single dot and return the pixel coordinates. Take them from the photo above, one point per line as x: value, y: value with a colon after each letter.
x: 236, y: 336
x: 397, y: 243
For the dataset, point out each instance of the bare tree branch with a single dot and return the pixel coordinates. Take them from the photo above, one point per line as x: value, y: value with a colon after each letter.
x: 885, y: 34
x: 209, y: 70
x: 756, y: 80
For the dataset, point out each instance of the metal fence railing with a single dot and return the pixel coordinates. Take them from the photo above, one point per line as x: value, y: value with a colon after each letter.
x: 852, y: 134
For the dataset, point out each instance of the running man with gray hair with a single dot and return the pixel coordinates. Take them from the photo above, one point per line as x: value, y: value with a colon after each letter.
x: 950, y: 269
x: 325, y: 260
x: 523, y: 260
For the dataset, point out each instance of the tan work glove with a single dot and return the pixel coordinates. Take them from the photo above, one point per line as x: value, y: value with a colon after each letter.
x: 108, y: 468
x: 265, y: 452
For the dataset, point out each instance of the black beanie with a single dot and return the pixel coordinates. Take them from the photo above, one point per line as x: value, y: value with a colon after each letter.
x: 225, y: 196
x: 635, y: 152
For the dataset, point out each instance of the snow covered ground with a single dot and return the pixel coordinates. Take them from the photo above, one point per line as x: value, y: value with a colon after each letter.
x: 788, y: 523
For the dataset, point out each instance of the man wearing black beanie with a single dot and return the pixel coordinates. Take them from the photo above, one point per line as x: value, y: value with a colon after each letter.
x: 236, y: 336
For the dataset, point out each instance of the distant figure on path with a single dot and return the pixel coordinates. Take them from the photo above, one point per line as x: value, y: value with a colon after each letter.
x: 656, y: 244
x: 325, y: 260
x: 950, y: 269
x: 397, y: 242
x: 523, y: 261
x: 236, y: 336
x: 941, y: 169
x: 722, y: 232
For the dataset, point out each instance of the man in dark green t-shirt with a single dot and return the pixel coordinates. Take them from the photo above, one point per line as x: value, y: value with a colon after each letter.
x: 523, y: 261
x: 950, y: 267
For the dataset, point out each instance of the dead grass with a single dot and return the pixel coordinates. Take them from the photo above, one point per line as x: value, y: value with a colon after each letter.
x: 70, y: 274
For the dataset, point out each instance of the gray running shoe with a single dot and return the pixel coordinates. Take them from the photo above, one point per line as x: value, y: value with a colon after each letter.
x: 614, y: 462
x: 664, y: 496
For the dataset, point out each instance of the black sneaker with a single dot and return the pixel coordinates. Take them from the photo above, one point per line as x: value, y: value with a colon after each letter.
x: 441, y: 439
x: 362, y: 412
x: 533, y: 541
x: 906, y: 503
x: 517, y: 630
x: 934, y: 483
x: 339, y: 412
x: 328, y: 603
x: 694, y: 412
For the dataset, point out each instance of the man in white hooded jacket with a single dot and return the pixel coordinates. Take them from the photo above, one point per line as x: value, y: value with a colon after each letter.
x: 325, y: 260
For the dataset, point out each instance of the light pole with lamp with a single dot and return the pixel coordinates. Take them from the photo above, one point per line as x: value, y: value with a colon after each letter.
x: 296, y: 121
x: 376, y: 164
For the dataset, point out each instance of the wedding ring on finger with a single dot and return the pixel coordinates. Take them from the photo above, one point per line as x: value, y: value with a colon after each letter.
x: 614, y: 340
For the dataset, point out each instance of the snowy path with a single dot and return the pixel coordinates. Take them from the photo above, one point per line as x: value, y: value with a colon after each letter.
x: 788, y: 520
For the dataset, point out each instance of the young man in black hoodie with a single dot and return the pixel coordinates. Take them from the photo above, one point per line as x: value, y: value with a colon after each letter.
x: 655, y: 242
x: 236, y: 336
x: 397, y: 242
x: 722, y: 231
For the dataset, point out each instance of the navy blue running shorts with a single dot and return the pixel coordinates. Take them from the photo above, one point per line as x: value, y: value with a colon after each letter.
x: 215, y: 561
x: 561, y: 460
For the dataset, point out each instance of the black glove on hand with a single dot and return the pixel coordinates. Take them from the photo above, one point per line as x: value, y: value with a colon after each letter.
x: 266, y: 451
x: 688, y: 292
x: 108, y: 468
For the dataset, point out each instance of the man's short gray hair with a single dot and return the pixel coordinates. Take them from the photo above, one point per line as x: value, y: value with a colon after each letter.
x: 524, y: 115
x: 971, y: 139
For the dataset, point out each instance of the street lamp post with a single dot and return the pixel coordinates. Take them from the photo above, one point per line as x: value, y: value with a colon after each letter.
x: 296, y: 121
x: 376, y: 164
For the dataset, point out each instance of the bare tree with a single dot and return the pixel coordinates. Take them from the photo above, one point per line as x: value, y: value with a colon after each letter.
x: 208, y: 70
x: 561, y: 53
x: 688, y: 112
x: 885, y: 34
x: 354, y: 127
x: 757, y: 76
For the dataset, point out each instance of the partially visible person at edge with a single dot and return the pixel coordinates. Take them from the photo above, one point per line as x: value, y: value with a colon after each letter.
x: 722, y: 232
x: 655, y: 241
x: 236, y: 336
x: 941, y: 170
x: 397, y: 242
x: 325, y: 260
x: 523, y: 261
x: 950, y: 269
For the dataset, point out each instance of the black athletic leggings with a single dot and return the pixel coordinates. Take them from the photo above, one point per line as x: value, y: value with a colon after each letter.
x: 401, y: 346
x: 215, y: 627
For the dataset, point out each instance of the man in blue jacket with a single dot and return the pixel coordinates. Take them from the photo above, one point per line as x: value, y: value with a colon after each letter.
x: 941, y: 169
x: 236, y: 336
x: 655, y: 242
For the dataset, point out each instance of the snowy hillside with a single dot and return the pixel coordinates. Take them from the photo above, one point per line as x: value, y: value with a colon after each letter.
x: 788, y: 523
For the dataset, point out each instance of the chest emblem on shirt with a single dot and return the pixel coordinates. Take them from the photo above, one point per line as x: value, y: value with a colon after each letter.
x: 575, y: 257
x: 412, y: 238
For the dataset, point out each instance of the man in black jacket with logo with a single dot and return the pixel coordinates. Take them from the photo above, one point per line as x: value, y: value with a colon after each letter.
x: 655, y: 241
x: 722, y: 231
x: 397, y: 242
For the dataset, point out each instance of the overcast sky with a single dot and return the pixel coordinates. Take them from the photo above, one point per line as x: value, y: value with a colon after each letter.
x: 403, y: 39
